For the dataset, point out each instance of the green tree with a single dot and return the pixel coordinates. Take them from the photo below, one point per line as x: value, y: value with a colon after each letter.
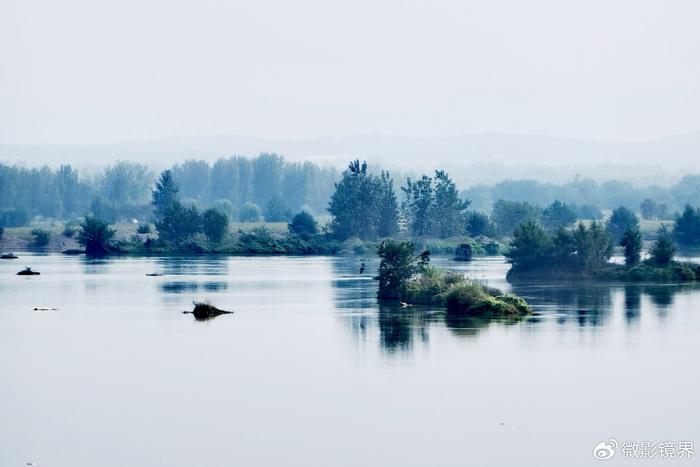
x: 363, y: 205
x: 530, y: 247
x: 214, y: 224
x: 303, y: 224
x: 396, y: 267
x: 164, y: 194
x: 621, y: 220
x: 386, y: 218
x: 478, y: 224
x: 558, y: 215
x: 179, y: 223
x: 593, y: 246
x: 663, y: 249
x: 507, y: 215
x: 95, y: 236
x: 250, y: 212
x: 449, y: 210
x: 418, y: 205
x: 687, y: 229
x: 632, y: 243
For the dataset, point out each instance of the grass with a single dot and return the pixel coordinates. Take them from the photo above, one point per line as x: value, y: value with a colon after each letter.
x: 462, y: 295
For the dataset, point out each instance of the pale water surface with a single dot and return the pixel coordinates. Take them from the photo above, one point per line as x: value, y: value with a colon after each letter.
x: 309, y: 371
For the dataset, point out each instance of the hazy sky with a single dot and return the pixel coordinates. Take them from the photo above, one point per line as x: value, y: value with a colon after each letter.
x: 86, y: 71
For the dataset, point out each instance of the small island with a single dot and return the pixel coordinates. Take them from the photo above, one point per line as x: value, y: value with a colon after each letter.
x: 584, y: 252
x: 411, y: 280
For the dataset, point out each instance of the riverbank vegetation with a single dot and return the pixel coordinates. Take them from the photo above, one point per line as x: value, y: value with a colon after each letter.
x: 267, y: 205
x: 410, y: 279
x: 585, y: 252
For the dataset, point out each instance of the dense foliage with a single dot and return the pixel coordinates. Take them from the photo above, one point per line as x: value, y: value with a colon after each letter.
x: 95, y: 236
x: 303, y: 224
x: 363, y: 205
x: 214, y: 224
x: 434, y: 207
x: 583, y: 250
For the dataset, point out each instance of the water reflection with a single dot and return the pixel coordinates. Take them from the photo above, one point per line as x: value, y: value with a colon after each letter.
x: 191, y: 286
x: 579, y: 304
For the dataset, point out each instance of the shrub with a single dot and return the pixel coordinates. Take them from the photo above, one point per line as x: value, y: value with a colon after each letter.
x: 144, y: 229
x: 250, y: 212
x: 464, y: 252
x: 41, y: 237
x: 215, y: 224
x: 491, y: 248
x: 95, y: 236
x: 303, y: 224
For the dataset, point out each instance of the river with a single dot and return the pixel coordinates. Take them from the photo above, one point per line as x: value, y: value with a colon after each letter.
x: 310, y: 371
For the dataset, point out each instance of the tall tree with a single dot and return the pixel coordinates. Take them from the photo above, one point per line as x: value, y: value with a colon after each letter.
x: 164, y: 194
x: 621, y: 220
x: 418, y: 206
x: 449, y: 210
x: 632, y: 243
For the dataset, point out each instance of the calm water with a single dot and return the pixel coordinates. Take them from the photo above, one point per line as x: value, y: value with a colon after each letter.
x: 309, y: 371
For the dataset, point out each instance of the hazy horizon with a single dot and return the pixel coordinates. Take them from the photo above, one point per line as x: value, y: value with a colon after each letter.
x: 78, y: 72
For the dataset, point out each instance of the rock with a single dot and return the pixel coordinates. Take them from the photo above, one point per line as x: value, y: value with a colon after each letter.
x: 9, y: 256
x: 28, y: 272
x: 203, y: 311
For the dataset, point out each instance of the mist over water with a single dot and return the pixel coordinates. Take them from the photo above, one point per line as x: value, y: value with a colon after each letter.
x: 309, y: 370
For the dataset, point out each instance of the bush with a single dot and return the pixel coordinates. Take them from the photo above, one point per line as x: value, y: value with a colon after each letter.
x: 396, y: 268
x: 144, y: 229
x: 95, y: 236
x: 303, y: 224
x: 41, y: 237
x: 491, y: 248
x: 250, y: 212
x: 529, y: 247
x: 275, y: 211
x: 464, y: 252
x: 215, y: 224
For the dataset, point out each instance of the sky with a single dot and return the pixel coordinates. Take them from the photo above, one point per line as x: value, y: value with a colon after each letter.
x: 88, y: 71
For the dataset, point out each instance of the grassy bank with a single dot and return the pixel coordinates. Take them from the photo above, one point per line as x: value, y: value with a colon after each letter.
x: 460, y: 294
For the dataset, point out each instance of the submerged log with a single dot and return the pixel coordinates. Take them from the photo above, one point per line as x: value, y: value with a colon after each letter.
x: 203, y: 311
x: 28, y: 272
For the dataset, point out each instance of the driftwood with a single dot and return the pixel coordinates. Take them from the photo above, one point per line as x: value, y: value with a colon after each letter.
x: 204, y: 311
x: 28, y: 272
x: 153, y: 274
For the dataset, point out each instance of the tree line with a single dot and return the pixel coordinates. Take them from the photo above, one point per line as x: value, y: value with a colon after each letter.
x: 267, y: 186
